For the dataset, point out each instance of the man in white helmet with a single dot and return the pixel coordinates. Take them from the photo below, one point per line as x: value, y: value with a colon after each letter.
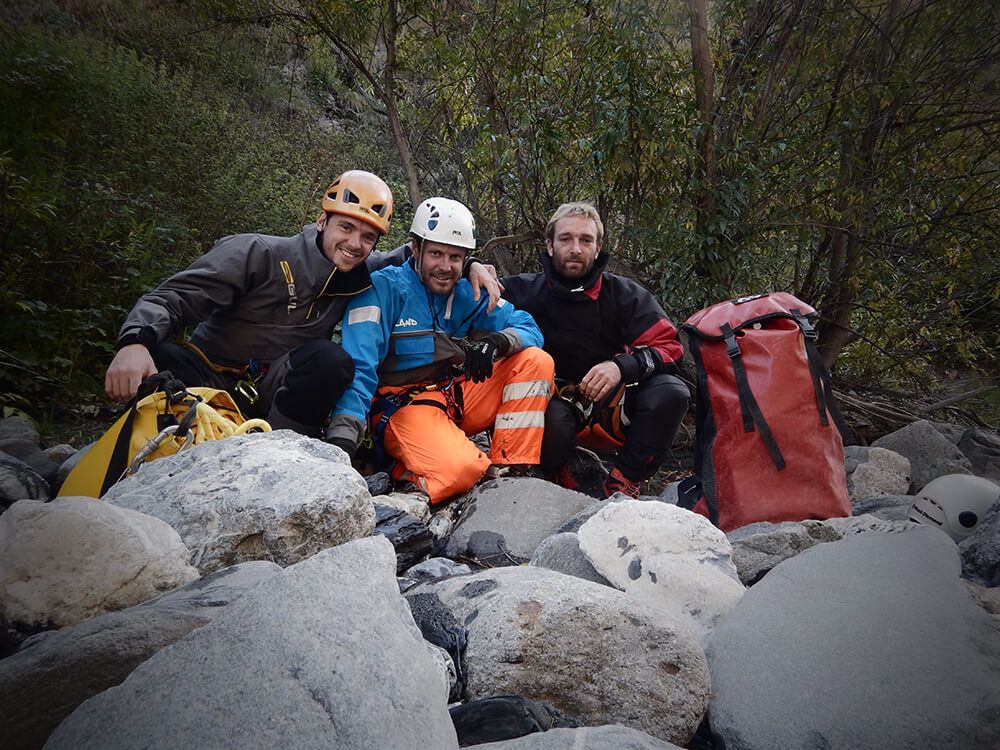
x: 441, y: 366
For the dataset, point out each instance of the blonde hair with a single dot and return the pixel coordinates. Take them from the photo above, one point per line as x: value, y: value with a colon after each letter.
x: 575, y: 209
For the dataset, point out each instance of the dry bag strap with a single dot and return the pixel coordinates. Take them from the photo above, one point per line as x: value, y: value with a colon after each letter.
x: 815, y: 364
x: 822, y: 383
x: 752, y: 415
x: 119, y: 462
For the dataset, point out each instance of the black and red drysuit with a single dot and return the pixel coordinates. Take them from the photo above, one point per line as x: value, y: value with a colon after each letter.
x: 599, y: 318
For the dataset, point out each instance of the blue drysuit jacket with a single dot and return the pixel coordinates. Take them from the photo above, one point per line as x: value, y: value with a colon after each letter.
x: 400, y: 333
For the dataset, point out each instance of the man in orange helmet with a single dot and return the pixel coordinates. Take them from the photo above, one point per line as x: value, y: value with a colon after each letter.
x: 265, y: 308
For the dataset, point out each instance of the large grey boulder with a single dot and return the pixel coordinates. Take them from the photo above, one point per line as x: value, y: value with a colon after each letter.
x: 273, y: 496
x: 591, y: 652
x: 76, y: 557
x: 30, y: 452
x: 56, y: 671
x: 19, y: 427
x: 562, y: 553
x: 982, y: 448
x: 867, y: 642
x: 930, y: 453
x: 981, y: 551
x: 324, y: 654
x: 608, y: 737
x: 18, y: 481
x: 873, y: 472
x: 506, y: 519
x: 664, y: 555
x: 758, y: 547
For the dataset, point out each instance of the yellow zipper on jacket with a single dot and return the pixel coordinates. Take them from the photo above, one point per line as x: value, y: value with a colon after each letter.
x: 332, y: 294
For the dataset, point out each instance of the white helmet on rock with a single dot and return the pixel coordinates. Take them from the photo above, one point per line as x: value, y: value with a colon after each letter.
x: 444, y: 220
x: 956, y: 504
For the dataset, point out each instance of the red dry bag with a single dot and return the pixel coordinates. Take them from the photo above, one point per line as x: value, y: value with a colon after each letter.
x: 768, y: 445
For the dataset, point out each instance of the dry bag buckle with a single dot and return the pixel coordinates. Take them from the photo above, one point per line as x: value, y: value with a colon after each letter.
x: 808, y: 330
x: 150, y: 448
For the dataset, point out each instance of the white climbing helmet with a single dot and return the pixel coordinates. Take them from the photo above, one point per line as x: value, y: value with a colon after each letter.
x: 444, y: 220
x: 956, y: 504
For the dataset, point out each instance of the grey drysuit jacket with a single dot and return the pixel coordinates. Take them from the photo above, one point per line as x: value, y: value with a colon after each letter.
x: 253, y: 296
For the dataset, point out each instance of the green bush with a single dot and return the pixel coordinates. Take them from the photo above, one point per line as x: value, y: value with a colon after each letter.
x: 117, y: 168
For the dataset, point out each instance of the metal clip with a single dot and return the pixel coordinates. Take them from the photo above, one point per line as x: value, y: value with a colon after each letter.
x: 154, y: 443
x: 247, y: 390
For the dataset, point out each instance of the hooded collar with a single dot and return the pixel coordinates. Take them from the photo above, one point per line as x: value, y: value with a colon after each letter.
x: 589, y: 285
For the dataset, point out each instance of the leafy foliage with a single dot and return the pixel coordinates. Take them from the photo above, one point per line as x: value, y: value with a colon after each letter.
x: 118, y: 167
x: 855, y: 153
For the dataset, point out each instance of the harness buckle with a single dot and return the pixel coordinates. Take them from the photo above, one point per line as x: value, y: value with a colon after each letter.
x: 247, y: 390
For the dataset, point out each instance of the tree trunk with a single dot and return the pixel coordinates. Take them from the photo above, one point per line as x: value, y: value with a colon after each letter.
x: 859, y: 175
x: 707, y: 205
x: 392, y: 111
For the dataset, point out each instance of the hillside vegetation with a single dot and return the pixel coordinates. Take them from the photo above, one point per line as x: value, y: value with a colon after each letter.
x: 846, y: 152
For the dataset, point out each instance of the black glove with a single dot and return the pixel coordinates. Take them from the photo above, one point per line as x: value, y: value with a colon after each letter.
x: 480, y: 354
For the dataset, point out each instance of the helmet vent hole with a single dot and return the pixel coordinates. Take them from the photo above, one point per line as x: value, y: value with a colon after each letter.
x: 350, y: 197
x: 332, y: 195
x: 379, y: 209
x: 432, y: 224
x: 968, y: 519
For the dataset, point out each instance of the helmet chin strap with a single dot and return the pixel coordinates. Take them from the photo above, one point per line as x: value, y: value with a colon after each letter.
x: 418, y: 253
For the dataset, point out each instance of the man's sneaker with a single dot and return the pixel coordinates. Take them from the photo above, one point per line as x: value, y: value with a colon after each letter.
x: 618, y: 482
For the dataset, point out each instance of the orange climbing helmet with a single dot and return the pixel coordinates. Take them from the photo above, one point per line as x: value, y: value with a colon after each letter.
x: 362, y: 195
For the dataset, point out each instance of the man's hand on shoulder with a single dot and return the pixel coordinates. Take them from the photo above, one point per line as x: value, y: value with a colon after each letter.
x: 131, y: 365
x: 483, y: 277
x: 600, y: 380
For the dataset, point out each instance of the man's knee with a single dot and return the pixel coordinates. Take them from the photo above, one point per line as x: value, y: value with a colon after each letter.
x: 559, y: 438
x: 318, y: 373
x: 320, y: 364
x: 663, y: 395
x: 536, y: 362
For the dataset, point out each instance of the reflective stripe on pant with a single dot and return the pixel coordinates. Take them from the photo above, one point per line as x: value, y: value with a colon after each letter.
x: 435, y: 453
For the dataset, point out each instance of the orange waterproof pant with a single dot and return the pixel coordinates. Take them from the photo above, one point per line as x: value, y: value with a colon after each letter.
x: 432, y: 449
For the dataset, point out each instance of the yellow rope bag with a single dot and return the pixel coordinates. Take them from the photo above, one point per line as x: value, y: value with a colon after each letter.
x: 164, y: 418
